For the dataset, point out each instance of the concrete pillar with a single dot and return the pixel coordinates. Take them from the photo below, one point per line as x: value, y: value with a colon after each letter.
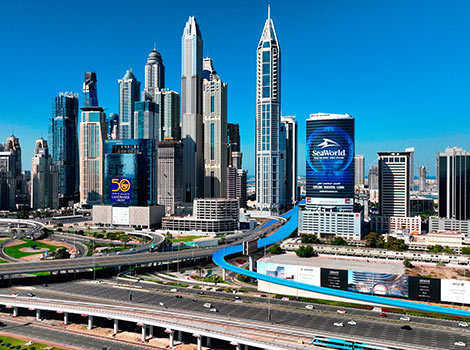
x: 247, y: 347
x: 66, y: 318
x: 238, y: 347
x: 151, y: 331
x: 15, y: 311
x: 199, y: 343
x: 223, y: 274
x: 208, y: 342
x: 144, y: 335
x: 116, y: 326
x: 180, y: 336
x: 172, y: 339
x: 38, y: 315
x: 251, y: 262
x: 90, y: 322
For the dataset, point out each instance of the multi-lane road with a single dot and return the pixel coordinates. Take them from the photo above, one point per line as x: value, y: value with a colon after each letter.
x: 426, y: 333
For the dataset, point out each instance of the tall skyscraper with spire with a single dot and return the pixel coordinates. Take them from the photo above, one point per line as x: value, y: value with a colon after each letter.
x: 269, y: 182
x: 154, y: 75
x: 129, y: 93
x: 191, y: 109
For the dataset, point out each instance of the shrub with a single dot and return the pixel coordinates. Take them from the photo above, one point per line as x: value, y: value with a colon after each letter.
x: 275, y: 249
x: 305, y: 251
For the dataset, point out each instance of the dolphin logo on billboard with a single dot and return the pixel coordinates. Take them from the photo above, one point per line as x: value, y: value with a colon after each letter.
x: 328, y: 143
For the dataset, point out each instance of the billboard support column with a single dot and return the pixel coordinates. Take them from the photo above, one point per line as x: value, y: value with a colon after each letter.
x: 251, y: 262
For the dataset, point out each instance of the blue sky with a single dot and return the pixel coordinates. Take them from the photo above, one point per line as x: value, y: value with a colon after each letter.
x: 399, y: 67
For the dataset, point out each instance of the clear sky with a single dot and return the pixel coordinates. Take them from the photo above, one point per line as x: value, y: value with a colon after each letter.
x: 401, y: 68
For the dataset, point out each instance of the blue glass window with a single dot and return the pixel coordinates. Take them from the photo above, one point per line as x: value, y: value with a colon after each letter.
x: 266, y: 92
x: 212, y: 104
x: 266, y: 80
x: 212, y: 142
x: 266, y: 56
x: 266, y: 69
x: 266, y: 44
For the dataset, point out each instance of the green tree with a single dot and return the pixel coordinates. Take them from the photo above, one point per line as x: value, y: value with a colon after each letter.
x: 395, y: 244
x: 440, y: 249
x: 374, y: 240
x: 275, y: 249
x: 61, y: 253
x: 305, y: 251
x: 309, y: 239
x: 466, y: 250
x: 407, y: 263
x: 339, y: 241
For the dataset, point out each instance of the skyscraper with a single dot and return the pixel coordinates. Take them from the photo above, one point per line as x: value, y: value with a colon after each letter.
x: 154, y: 75
x: 13, y: 145
x: 394, y: 187
x: 215, y: 132
x: 291, y: 159
x: 129, y: 93
x: 191, y: 109
x: 146, y: 124
x: 422, y: 179
x: 90, y: 90
x: 168, y: 103
x: 10, y: 173
x: 64, y: 145
x: 234, y: 155
x: 411, y: 151
x: 170, y: 157
x: 373, y: 178
x: 93, y: 132
x: 453, y: 176
x: 358, y: 170
x: 44, y: 178
x: 268, y: 172
x: 113, y: 126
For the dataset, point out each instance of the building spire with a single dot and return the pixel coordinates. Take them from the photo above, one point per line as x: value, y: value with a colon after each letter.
x: 269, y: 11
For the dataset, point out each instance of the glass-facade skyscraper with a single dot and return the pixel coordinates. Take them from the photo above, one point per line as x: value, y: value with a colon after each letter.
x: 269, y: 180
x: 129, y: 93
x: 191, y: 109
x: 131, y: 162
x: 146, y: 121
x: 63, y: 143
x: 168, y: 102
x: 154, y: 75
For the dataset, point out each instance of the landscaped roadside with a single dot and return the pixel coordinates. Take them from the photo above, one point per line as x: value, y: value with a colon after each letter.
x: 21, y: 344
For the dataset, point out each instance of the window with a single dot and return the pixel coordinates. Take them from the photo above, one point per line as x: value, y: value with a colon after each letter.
x: 212, y: 141
x: 266, y: 80
x: 266, y: 56
x: 266, y: 92
x: 266, y: 69
x: 266, y: 44
x: 212, y: 104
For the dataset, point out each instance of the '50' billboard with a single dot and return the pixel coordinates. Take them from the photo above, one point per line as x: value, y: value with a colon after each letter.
x: 121, y: 190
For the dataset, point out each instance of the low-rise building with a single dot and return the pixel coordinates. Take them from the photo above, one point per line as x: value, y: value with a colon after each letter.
x: 388, y: 224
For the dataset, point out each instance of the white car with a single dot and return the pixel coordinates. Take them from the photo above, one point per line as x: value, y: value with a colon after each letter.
x: 460, y: 343
x: 352, y: 323
x: 463, y: 324
x: 341, y: 311
x: 207, y: 305
x: 310, y: 307
x: 405, y: 318
x: 173, y: 290
x: 338, y: 324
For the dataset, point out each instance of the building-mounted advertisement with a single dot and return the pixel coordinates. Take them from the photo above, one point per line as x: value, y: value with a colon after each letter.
x: 120, y: 190
x: 378, y: 283
x: 424, y: 289
x: 336, y: 279
x: 330, y: 159
x: 302, y: 274
x: 121, y: 216
x: 455, y: 291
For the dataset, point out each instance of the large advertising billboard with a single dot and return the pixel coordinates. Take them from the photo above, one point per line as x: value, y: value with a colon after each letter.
x: 455, y: 291
x: 336, y: 279
x: 121, y: 216
x: 424, y: 289
x: 378, y: 283
x: 120, y: 190
x: 303, y: 274
x: 330, y: 160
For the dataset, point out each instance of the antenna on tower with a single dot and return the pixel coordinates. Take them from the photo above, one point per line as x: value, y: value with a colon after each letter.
x: 154, y: 45
x: 269, y: 11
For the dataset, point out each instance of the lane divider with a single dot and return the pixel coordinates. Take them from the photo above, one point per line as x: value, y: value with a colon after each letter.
x: 285, y: 231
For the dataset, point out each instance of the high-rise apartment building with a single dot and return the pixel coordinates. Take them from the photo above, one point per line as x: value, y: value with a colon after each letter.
x: 146, y: 125
x: 231, y: 182
x: 130, y: 172
x: 394, y: 188
x: 154, y: 75
x: 63, y: 143
x: 411, y: 151
x: 44, y: 178
x: 113, y: 126
x: 453, y: 176
x: 129, y: 93
x: 290, y: 125
x: 191, y: 109
x: 214, y: 95
x: 373, y: 178
x: 90, y: 90
x: 10, y: 173
x: 268, y: 100
x: 241, y: 188
x: 358, y: 170
x: 93, y: 132
x: 422, y: 178
x: 234, y: 154
x: 170, y: 174
x: 168, y: 109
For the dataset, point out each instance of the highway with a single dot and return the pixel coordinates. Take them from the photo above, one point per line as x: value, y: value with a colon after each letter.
x: 427, y: 333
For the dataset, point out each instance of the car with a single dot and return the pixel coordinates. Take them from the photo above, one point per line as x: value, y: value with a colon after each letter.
x: 14, y: 294
x: 237, y: 297
x: 45, y: 285
x: 463, y: 324
x: 179, y: 296
x: 338, y: 324
x: 213, y: 309
x: 30, y: 294
x: 341, y: 311
x: 407, y: 327
x: 309, y: 307
x: 207, y: 305
x: 352, y: 323
x: 173, y: 290
x: 200, y: 292
x: 460, y: 343
x: 383, y: 314
x: 194, y: 300
x: 405, y: 318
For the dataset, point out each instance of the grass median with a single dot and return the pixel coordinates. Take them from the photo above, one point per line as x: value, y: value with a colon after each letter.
x: 14, y: 251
